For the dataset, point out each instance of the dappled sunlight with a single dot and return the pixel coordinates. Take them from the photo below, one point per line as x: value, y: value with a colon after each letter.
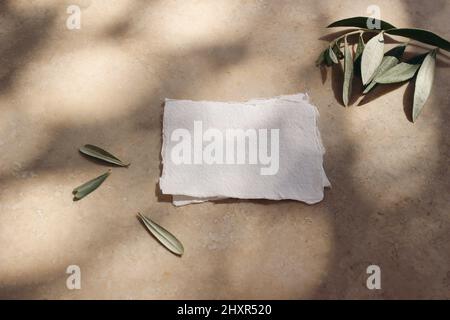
x: 105, y: 84
x: 220, y: 261
x: 291, y: 264
x: 391, y: 174
x: 80, y: 95
x: 86, y: 85
x: 17, y: 151
x: 98, y: 15
x: 38, y: 227
x: 186, y: 25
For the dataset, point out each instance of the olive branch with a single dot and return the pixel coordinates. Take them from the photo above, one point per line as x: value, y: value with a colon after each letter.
x: 375, y: 67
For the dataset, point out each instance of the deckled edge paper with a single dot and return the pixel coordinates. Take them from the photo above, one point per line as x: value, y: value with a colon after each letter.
x: 301, y: 99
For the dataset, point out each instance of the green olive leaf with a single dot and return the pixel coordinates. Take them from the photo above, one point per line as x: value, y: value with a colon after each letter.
x: 361, y: 22
x: 387, y: 63
x: 328, y: 61
x: 402, y: 71
x: 337, y: 51
x: 399, y: 73
x: 99, y: 153
x: 358, y: 56
x: 332, y: 55
x: 424, y: 83
x: 423, y: 36
x: 167, y: 239
x: 390, y: 59
x: 348, y: 74
x: 360, y: 47
x: 397, y: 51
x: 86, y: 188
x: 372, y: 57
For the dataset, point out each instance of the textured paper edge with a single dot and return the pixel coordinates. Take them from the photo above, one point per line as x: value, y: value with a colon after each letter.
x: 182, y: 200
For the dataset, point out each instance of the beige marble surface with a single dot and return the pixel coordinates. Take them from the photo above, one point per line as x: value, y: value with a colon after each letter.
x: 105, y: 84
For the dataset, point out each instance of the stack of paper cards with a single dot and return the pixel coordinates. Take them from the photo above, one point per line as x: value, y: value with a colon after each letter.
x: 259, y: 149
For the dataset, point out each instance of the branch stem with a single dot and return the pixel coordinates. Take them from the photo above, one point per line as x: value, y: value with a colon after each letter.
x: 361, y: 31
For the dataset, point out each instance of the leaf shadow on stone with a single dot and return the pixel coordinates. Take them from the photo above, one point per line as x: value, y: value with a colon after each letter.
x: 408, y: 100
x: 378, y: 91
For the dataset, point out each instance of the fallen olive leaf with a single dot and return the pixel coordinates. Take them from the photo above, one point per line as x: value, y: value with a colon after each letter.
x: 163, y: 236
x: 86, y: 188
x: 99, y: 153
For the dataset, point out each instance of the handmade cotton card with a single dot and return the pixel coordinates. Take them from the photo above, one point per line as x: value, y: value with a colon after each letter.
x: 259, y: 149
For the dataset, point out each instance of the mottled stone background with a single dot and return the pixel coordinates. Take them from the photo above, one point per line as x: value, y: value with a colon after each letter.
x: 105, y: 84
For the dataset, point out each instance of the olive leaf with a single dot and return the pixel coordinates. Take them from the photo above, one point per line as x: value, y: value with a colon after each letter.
x: 167, y: 239
x: 386, y: 64
x: 86, y: 188
x: 399, y: 73
x: 423, y: 36
x: 348, y: 74
x: 372, y: 57
x: 358, y: 56
x: 99, y: 153
x: 397, y: 51
x: 390, y: 59
x: 424, y: 82
x: 361, y: 22
x: 337, y: 51
x: 332, y: 55
x: 360, y: 47
x: 328, y: 61
x: 374, y: 67
x: 402, y: 71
